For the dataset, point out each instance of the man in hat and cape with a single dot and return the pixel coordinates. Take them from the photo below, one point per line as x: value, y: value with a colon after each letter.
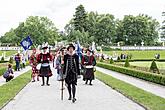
x: 71, y: 71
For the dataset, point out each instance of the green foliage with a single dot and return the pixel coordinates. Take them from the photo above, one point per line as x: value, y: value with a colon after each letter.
x: 101, y: 60
x: 111, y: 61
x: 40, y: 29
x: 156, y: 78
x: 9, y: 90
x: 11, y: 60
x: 118, y: 59
x: 136, y: 54
x: 126, y: 63
x: 2, y: 59
x: 106, y: 30
x: 80, y: 19
x: 147, y: 99
x: 154, y: 67
x: 2, y: 70
x: 135, y: 29
x: 163, y: 26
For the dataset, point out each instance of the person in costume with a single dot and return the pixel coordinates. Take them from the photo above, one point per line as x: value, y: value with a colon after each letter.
x: 44, y: 58
x: 33, y: 63
x: 71, y: 71
x: 60, y: 64
x: 88, y: 62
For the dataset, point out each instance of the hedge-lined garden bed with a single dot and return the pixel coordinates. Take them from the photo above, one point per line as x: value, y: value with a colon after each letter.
x: 144, y: 98
x: 10, y: 89
x: 156, y: 78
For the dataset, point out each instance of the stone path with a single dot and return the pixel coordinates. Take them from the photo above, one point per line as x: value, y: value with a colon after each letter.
x: 96, y: 97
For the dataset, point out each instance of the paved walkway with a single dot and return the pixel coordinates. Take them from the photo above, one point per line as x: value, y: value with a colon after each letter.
x: 16, y: 74
x: 96, y: 97
x: 145, y: 85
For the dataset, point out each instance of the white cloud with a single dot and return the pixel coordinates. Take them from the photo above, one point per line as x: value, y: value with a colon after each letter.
x: 61, y: 11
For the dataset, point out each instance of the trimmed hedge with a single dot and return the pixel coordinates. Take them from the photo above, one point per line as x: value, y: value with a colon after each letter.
x: 156, y: 78
x: 3, y: 61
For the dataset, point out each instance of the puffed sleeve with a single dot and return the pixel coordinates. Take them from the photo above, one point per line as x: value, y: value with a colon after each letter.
x: 39, y: 58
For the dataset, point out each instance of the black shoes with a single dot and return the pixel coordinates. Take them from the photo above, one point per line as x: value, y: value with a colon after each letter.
x: 74, y: 100
x: 69, y: 98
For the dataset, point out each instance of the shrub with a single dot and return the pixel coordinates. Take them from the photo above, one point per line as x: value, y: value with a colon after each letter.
x: 156, y: 78
x: 126, y: 63
x: 2, y: 59
x: 11, y: 60
x: 118, y: 59
x: 101, y: 60
x: 111, y: 61
x: 154, y: 67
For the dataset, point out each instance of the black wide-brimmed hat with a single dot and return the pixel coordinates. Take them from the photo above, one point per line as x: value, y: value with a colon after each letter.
x: 71, y: 45
x: 44, y: 47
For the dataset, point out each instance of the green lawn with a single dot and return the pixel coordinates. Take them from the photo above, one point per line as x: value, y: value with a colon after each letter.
x: 9, y: 90
x: 148, y: 100
x: 139, y: 54
x: 8, y: 53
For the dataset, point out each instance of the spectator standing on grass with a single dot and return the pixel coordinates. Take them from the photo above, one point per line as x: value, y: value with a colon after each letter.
x: 17, y: 60
x: 9, y: 74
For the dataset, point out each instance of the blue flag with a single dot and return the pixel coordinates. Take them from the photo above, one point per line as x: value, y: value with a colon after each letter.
x: 26, y: 43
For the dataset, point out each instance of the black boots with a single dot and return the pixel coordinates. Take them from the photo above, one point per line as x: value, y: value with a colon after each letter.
x: 90, y: 83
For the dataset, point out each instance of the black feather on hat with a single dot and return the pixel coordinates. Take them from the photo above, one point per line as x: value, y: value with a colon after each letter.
x: 71, y: 45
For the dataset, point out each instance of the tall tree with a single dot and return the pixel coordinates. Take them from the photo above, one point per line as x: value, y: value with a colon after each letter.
x: 163, y: 26
x: 79, y: 20
x: 135, y: 29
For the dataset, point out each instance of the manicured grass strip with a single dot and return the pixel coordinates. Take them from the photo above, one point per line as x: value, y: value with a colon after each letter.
x: 2, y: 70
x: 148, y: 100
x: 156, y: 78
x: 9, y: 90
x: 147, y: 54
x: 9, y: 52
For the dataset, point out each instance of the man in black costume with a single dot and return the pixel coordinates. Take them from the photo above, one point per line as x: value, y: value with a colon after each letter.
x: 71, y: 71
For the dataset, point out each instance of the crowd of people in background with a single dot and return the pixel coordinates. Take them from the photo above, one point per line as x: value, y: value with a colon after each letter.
x: 68, y: 63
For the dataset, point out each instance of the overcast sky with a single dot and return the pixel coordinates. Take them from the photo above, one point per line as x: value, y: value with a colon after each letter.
x: 61, y: 11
